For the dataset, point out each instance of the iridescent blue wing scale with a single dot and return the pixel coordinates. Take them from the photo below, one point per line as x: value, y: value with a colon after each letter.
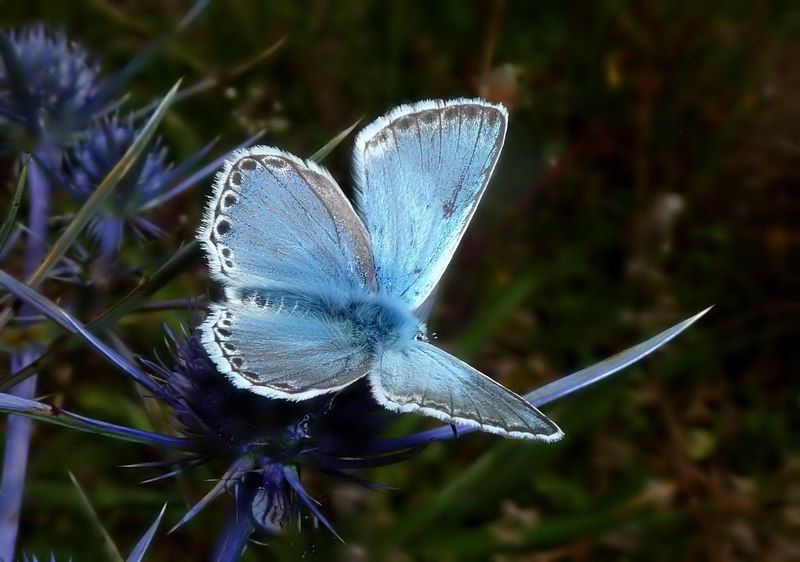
x: 424, y: 379
x: 420, y: 172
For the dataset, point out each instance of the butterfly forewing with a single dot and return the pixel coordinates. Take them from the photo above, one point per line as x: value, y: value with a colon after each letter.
x: 420, y: 172
x: 276, y: 221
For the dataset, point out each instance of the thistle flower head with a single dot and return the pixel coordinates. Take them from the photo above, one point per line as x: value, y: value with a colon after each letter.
x: 90, y: 160
x: 55, y: 80
x: 206, y: 404
x: 270, y: 439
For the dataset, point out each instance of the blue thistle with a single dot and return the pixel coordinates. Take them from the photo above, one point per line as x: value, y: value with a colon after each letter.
x: 152, y: 181
x: 270, y: 439
x: 89, y: 161
x: 47, y: 84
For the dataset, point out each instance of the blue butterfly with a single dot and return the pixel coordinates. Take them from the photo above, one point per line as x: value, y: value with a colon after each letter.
x: 319, y: 295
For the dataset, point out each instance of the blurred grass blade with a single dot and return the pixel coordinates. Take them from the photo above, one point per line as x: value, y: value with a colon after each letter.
x: 11, y: 214
x: 64, y: 320
x: 103, y: 191
x: 182, y: 169
x: 10, y: 404
x: 112, y: 85
x: 137, y: 555
x: 201, y: 86
x: 496, y: 310
x: 112, y: 553
x: 606, y: 368
x: 196, y: 9
x: 215, y: 78
x: 411, y: 521
x: 320, y: 154
x: 173, y: 266
x: 260, y: 57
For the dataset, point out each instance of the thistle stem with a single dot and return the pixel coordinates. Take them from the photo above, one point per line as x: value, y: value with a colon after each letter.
x: 18, y: 429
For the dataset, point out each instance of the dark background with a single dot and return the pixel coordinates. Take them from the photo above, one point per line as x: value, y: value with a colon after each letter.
x: 650, y: 170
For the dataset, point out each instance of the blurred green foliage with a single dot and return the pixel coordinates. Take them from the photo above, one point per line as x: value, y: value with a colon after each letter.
x: 651, y: 169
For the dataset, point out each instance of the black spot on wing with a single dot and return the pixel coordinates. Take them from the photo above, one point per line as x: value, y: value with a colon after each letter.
x: 247, y: 164
x: 428, y: 117
x: 451, y: 113
x: 223, y: 227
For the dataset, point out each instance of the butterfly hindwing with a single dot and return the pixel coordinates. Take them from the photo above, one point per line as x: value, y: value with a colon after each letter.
x: 282, y: 346
x: 424, y: 379
x: 420, y: 172
x: 277, y: 221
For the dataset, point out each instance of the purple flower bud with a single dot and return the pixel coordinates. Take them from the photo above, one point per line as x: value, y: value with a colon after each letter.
x: 54, y: 82
x: 90, y: 160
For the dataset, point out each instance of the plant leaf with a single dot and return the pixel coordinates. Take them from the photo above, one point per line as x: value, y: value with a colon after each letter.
x: 292, y: 478
x: 320, y: 154
x: 196, y: 9
x: 214, y: 78
x: 138, y: 552
x: 239, y: 467
x: 108, y: 544
x: 11, y: 214
x: 174, y: 265
x: 64, y: 320
x: 597, y: 372
x: 10, y: 404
